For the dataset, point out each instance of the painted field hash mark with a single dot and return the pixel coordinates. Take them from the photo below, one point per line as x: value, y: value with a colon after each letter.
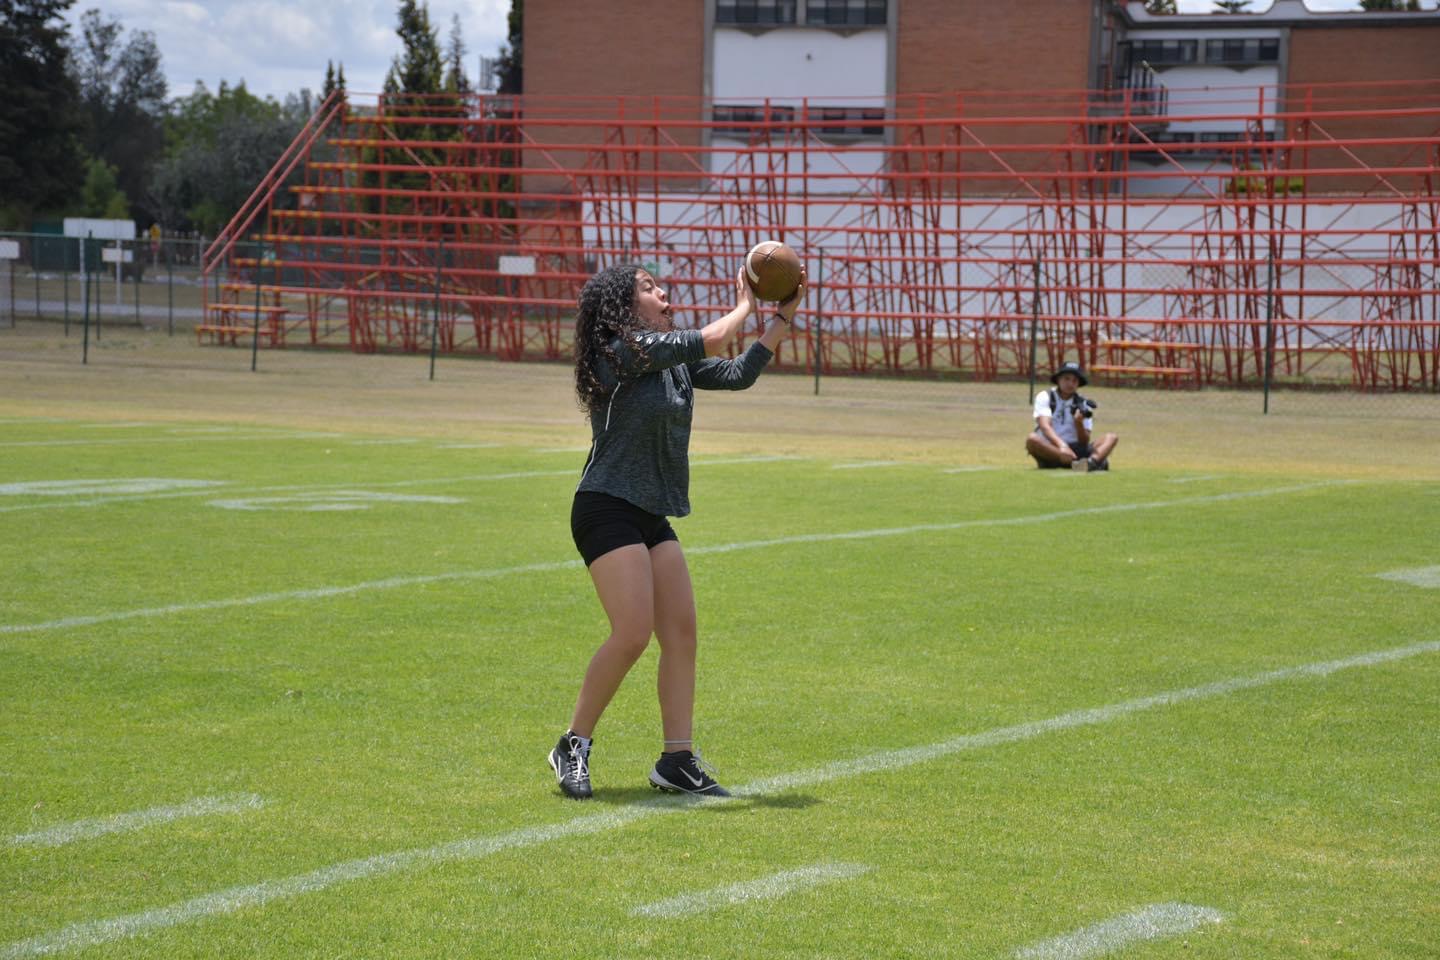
x: 256, y: 895
x: 64, y: 833
x: 765, y: 888
x: 1148, y: 923
x: 1428, y: 577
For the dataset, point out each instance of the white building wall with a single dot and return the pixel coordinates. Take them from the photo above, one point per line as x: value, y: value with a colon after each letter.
x: 828, y: 66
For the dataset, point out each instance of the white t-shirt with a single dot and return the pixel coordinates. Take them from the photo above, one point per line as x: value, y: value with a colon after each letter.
x: 1061, y: 419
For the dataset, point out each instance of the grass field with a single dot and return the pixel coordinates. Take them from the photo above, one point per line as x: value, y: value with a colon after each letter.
x: 283, y: 653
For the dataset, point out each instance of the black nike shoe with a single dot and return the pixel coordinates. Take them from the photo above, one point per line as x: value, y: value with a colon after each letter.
x: 571, y: 762
x: 685, y: 772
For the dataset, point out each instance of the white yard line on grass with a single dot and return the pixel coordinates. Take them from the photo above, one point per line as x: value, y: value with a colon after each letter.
x: 286, y: 488
x: 864, y: 464
x: 1148, y: 923
x: 765, y: 888
x: 981, y: 469
x: 132, y: 441
x: 64, y: 833
x: 256, y: 895
x: 318, y: 593
x: 1419, y: 577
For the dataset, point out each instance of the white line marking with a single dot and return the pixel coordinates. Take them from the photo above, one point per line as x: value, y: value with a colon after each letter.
x: 116, y: 425
x: 1208, y: 476
x: 431, y: 481
x: 765, y: 888
x: 1148, y: 923
x: 467, y: 446
x: 138, y: 820
x: 189, y: 430
x: 329, y: 502
x: 864, y: 464
x: 131, y: 441
x: 393, y: 582
x: 75, y: 488
x: 252, y: 896
x: 968, y: 469
x: 1420, y: 576
x: 584, y: 449
x: 391, y: 442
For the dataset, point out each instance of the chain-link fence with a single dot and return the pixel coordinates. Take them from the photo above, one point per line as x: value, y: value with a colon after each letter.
x: 146, y: 282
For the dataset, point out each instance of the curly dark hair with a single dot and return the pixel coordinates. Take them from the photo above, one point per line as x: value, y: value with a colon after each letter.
x: 607, y: 311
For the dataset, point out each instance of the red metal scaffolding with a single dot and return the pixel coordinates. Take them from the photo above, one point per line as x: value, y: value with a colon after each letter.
x: 1184, y: 239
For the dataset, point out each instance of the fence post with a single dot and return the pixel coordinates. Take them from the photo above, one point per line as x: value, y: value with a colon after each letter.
x: 136, y: 254
x: 255, y: 334
x: 170, y: 282
x: 1034, y: 326
x: 85, y: 283
x: 819, y: 322
x: 1269, y: 326
x: 435, y: 314
x: 35, y: 270
x: 65, y: 280
x: 11, y: 286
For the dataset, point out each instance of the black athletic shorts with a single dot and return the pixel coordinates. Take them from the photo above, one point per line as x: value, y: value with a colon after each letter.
x: 1081, y: 450
x: 600, y: 523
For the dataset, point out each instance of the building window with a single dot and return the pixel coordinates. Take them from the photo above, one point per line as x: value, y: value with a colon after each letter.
x: 848, y: 121
x: 743, y: 121
x: 1157, y: 53
x: 767, y: 13
x: 845, y: 13
x: 1243, y: 51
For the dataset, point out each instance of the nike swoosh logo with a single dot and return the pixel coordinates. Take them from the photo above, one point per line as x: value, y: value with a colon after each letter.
x: 687, y: 776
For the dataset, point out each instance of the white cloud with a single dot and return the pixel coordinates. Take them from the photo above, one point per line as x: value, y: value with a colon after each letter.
x: 278, y: 47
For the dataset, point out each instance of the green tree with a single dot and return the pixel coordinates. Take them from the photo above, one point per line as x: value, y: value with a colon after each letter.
x: 122, y: 97
x: 512, y: 74
x: 1397, y: 6
x: 41, y: 162
x: 455, y: 79
x: 101, y: 195
x: 1231, y: 6
x: 1161, y: 8
x: 218, y: 147
x: 419, y: 68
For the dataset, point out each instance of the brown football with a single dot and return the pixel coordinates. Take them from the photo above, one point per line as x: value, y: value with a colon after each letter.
x: 773, y: 270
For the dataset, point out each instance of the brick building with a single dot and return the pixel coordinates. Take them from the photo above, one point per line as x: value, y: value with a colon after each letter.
x: 738, y: 63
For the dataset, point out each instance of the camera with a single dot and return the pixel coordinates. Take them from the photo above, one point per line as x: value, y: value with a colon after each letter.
x: 1082, y: 406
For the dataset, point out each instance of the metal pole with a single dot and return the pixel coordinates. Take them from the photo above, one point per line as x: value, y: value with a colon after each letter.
x: 819, y: 321
x: 11, y: 285
x: 1269, y: 326
x: 35, y: 270
x: 65, y: 280
x: 255, y: 335
x: 435, y: 316
x: 85, y: 284
x: 170, y: 283
x: 136, y: 254
x: 1034, y: 326
x: 95, y: 287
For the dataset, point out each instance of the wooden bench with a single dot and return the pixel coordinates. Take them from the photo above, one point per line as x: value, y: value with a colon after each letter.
x: 1188, y: 373
x: 232, y: 323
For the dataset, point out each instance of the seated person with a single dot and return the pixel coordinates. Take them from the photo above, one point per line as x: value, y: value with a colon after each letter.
x: 1063, y: 420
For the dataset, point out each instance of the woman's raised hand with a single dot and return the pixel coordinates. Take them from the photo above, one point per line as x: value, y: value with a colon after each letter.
x: 744, y: 296
x: 788, y: 307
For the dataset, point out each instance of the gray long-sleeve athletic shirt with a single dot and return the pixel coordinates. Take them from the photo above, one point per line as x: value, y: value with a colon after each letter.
x: 640, y: 438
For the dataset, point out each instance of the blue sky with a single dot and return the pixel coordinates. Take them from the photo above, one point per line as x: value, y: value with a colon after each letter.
x: 277, y: 47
